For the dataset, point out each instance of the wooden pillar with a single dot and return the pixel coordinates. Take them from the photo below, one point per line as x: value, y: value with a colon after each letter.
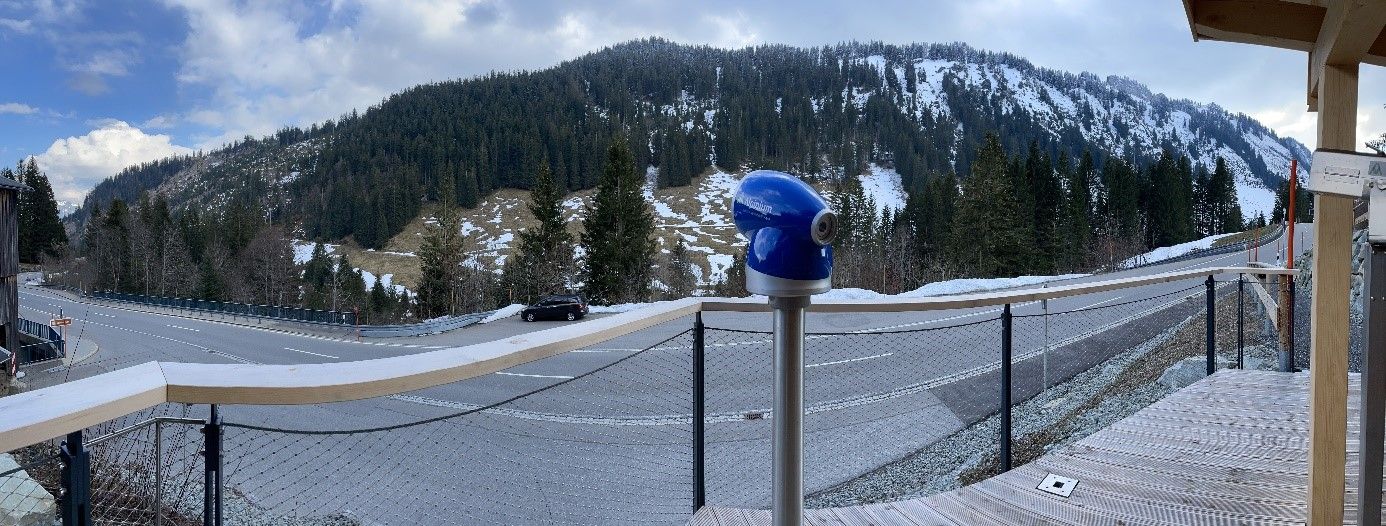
x: 1328, y: 333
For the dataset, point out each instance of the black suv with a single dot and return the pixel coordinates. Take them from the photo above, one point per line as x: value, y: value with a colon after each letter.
x: 562, y: 307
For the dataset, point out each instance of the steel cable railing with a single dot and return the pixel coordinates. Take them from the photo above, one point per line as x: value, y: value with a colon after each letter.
x: 641, y: 436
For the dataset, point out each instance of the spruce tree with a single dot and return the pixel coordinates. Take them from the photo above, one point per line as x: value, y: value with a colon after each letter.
x: 1077, y: 227
x: 1227, y: 213
x: 440, y: 265
x: 543, y: 261
x: 41, y: 232
x: 991, y: 236
x: 617, y: 235
x: 678, y: 271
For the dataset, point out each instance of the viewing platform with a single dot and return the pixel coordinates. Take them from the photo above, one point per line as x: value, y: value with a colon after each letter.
x: 1229, y: 449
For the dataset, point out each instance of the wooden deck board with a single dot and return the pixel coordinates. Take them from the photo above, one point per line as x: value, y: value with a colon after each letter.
x: 1230, y: 449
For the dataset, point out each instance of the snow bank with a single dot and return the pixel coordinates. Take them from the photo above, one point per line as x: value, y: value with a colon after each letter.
x: 619, y: 308
x: 970, y: 285
x: 943, y: 288
x: 1163, y: 253
x: 504, y: 312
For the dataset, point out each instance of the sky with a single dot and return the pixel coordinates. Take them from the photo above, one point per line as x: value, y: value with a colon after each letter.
x: 96, y: 85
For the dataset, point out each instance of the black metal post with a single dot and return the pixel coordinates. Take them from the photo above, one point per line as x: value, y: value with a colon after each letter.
x: 76, y: 483
x: 1373, y: 415
x: 1212, y: 351
x: 1241, y: 319
x: 211, y: 483
x: 1006, y: 388
x: 1289, y: 365
x: 699, y: 415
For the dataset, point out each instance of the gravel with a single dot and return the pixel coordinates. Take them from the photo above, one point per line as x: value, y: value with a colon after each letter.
x: 1056, y: 416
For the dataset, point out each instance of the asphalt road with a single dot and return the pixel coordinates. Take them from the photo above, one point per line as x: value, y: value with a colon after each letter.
x: 610, y: 441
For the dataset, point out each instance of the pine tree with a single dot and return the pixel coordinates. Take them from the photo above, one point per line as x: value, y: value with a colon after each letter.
x: 678, y: 271
x: 41, y: 232
x: 440, y: 263
x: 733, y: 282
x: 617, y: 235
x: 991, y: 236
x: 1076, y: 220
x: 543, y: 261
x: 1227, y: 213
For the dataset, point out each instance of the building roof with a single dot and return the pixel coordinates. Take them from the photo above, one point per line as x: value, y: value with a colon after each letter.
x: 10, y: 184
x: 1333, y: 32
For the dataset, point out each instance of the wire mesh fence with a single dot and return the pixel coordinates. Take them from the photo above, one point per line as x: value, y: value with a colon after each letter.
x: 890, y: 413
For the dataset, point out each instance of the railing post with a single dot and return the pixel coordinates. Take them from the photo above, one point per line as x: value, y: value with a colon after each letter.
x: 1212, y: 350
x: 1006, y: 388
x: 699, y: 414
x: 158, y: 473
x: 76, y: 483
x: 211, y: 483
x: 1373, y: 415
x: 1289, y: 366
x: 1241, y: 319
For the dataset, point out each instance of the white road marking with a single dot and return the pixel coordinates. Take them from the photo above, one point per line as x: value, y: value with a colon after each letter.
x: 560, y: 377
x: 606, y: 350
x: 950, y: 318
x: 1109, y: 300
x: 312, y: 353
x: 883, y: 355
x: 184, y: 328
x: 106, y: 315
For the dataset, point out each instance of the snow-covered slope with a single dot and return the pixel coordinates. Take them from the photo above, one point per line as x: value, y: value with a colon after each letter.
x: 1117, y: 114
x: 699, y: 214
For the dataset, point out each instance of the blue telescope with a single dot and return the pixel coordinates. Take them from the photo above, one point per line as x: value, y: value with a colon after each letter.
x: 789, y: 260
x: 789, y: 227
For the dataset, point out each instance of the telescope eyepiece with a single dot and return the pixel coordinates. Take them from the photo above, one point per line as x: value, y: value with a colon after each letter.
x: 824, y: 227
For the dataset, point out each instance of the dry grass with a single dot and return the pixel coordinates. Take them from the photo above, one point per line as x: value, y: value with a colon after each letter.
x: 505, y: 212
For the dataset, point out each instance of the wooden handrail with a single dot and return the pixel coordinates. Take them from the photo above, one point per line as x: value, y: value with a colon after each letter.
x: 35, y: 416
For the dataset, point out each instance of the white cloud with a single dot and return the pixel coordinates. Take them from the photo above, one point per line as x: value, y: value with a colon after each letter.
x: 159, y: 122
x: 17, y: 108
x: 264, y: 65
x: 17, y: 26
x: 75, y: 164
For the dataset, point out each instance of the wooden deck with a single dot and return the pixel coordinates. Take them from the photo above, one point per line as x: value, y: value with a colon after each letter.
x: 1229, y: 449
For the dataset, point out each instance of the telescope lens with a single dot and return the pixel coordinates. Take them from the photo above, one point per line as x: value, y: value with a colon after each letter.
x: 824, y: 227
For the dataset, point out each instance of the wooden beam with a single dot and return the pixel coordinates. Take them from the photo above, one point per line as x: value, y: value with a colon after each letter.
x: 1349, y: 30
x: 1328, y: 331
x: 1271, y: 23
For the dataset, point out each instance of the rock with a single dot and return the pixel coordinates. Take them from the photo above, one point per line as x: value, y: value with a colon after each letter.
x: 23, y: 502
x: 1184, y: 372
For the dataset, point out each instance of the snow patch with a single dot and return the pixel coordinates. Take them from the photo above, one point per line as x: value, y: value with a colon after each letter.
x: 504, y: 312
x: 884, y: 187
x: 1163, y: 253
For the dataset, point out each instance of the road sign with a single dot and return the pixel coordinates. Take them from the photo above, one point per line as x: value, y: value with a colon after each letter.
x: 60, y: 322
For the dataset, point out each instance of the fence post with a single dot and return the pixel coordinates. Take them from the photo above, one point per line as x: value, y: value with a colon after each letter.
x: 1289, y: 364
x: 1212, y: 351
x: 211, y: 483
x: 76, y: 483
x: 1373, y: 405
x: 699, y: 414
x: 158, y: 473
x: 1241, y: 318
x: 1006, y: 388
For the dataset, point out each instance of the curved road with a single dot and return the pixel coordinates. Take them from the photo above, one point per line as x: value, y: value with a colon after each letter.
x: 614, y: 447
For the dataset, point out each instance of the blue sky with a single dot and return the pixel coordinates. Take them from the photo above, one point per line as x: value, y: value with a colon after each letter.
x: 96, y: 85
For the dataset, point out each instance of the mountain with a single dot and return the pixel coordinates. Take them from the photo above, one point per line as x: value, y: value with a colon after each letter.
x: 857, y: 108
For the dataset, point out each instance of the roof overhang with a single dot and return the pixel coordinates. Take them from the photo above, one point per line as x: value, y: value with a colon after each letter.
x: 1332, y: 32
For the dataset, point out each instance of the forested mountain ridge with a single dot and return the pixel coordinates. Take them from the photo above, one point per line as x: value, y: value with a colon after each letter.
x: 920, y: 109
